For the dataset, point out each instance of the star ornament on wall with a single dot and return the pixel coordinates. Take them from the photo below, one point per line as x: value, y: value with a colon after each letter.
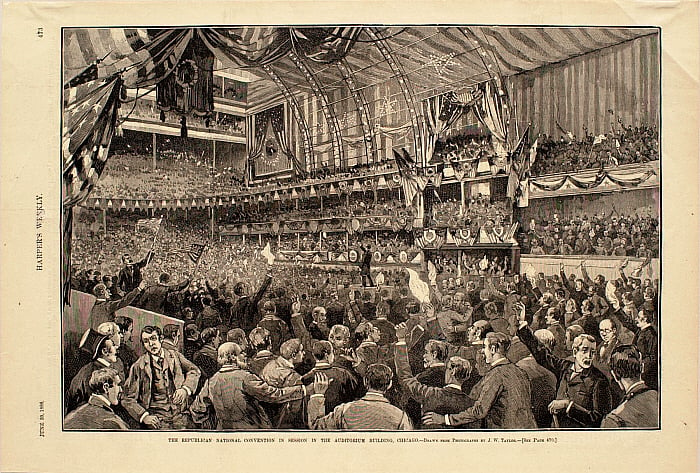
x: 442, y: 64
x: 387, y: 106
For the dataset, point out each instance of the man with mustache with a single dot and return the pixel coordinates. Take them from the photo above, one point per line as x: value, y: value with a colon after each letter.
x: 583, y: 391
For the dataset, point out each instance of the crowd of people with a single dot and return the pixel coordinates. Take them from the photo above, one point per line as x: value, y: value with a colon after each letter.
x: 491, y: 264
x: 623, y: 145
x: 463, y: 148
x: 599, y: 234
x: 311, y: 209
x: 476, y: 212
x: 177, y: 175
x: 267, y: 345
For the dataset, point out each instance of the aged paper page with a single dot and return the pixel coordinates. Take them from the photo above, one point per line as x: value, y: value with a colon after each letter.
x: 31, y: 433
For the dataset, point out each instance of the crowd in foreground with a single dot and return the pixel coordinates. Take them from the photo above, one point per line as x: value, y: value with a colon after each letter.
x: 264, y: 349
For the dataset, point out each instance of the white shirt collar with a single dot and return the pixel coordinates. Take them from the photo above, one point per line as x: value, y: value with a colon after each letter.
x: 629, y: 390
x: 455, y: 386
x: 103, y: 399
x: 104, y: 362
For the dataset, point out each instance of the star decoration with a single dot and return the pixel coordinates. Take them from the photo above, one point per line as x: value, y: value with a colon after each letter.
x: 441, y: 64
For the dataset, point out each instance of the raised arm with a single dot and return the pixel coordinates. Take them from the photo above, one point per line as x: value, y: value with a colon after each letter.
x: 541, y: 353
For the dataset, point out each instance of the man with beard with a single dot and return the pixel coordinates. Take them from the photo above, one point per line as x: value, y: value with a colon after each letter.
x: 281, y: 373
x: 233, y: 394
x: 583, y: 392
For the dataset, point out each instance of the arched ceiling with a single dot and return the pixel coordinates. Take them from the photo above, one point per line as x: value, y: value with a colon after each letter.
x: 438, y: 59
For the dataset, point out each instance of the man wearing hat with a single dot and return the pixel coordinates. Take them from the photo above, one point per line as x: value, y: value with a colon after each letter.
x: 104, y: 308
x: 97, y: 413
x: 103, y: 353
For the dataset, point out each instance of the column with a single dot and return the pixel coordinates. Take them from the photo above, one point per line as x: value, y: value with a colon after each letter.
x: 155, y: 153
x: 211, y: 223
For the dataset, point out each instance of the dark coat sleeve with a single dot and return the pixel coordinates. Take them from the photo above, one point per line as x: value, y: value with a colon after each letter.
x: 541, y: 354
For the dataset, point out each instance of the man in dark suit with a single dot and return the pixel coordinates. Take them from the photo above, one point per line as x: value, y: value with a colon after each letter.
x: 130, y: 275
x: 206, y: 358
x: 442, y: 400
x: 160, y: 384
x: 343, y: 385
x: 434, y: 358
x: 646, y: 339
x: 154, y: 297
x: 104, y: 308
x: 365, y: 266
x: 260, y: 345
x: 97, y: 414
x: 502, y: 396
x: 104, y: 355
x: 583, y: 391
x: 640, y: 406
x: 278, y: 329
x: 244, y: 313
x: 543, y: 383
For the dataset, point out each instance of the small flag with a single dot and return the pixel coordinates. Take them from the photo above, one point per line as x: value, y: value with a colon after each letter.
x: 149, y: 225
x: 418, y: 287
x: 268, y: 254
x: 196, y: 251
x: 432, y: 273
x: 599, y: 139
x: 533, y: 152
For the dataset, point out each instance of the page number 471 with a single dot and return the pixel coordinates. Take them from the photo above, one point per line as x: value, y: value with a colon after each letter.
x: 40, y: 32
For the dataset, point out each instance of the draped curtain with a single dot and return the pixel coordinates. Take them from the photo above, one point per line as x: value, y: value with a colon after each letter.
x: 441, y: 112
x: 490, y: 111
x: 277, y: 120
x: 257, y: 146
x: 258, y: 46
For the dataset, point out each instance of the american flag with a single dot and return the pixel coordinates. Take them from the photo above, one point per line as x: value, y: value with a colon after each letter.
x: 196, y: 251
x: 89, y: 119
x: 412, y: 184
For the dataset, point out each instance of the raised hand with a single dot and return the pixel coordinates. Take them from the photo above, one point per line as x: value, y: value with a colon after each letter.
x: 321, y: 383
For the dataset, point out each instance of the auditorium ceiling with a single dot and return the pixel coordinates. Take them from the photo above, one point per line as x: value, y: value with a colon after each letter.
x: 422, y: 61
x: 435, y: 60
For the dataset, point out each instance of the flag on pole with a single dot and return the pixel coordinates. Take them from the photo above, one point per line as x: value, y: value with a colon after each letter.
x: 149, y: 225
x: 196, y: 251
x: 411, y: 183
x: 267, y: 253
x: 418, y: 287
